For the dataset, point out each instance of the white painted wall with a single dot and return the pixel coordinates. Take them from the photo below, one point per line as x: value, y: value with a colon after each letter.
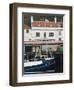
x: 4, y: 46
x: 27, y: 36
x: 32, y: 34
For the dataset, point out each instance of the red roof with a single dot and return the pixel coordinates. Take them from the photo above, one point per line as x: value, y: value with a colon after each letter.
x: 46, y: 24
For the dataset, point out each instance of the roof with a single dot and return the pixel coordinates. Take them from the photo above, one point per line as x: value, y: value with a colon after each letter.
x: 26, y: 26
x: 46, y: 24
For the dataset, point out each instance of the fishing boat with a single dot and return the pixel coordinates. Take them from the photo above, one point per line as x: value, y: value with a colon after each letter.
x: 44, y: 65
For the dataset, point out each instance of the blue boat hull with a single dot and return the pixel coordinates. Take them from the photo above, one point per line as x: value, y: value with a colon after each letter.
x: 44, y: 67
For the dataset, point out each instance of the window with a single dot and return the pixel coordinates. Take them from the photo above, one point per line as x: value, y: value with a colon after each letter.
x: 51, y: 34
x: 59, y: 32
x: 27, y: 31
x: 44, y: 34
x: 60, y: 39
x: 37, y: 34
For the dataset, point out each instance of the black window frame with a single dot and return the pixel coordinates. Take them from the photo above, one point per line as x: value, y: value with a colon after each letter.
x: 51, y: 34
x: 37, y: 34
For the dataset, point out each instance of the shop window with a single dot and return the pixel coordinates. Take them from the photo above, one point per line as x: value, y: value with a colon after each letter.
x: 44, y: 34
x: 59, y: 32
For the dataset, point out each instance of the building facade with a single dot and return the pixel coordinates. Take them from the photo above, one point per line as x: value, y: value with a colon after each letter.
x: 43, y: 35
x: 44, y: 30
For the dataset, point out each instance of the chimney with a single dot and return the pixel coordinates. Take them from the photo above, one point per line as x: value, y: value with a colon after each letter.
x: 46, y: 20
x: 31, y: 19
x: 55, y: 19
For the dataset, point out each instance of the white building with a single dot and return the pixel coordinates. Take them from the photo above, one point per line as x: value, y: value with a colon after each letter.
x: 42, y: 36
x: 44, y: 30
